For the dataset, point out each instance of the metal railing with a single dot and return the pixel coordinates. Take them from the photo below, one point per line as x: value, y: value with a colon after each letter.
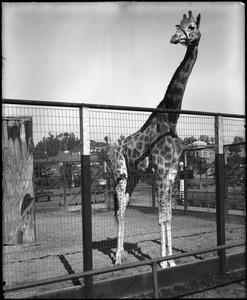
x: 152, y: 262
x: 115, y: 107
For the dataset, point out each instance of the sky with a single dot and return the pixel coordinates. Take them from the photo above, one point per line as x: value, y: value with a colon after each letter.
x: 119, y: 53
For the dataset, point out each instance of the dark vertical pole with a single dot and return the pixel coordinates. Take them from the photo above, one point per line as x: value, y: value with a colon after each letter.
x: 226, y: 181
x: 155, y: 281
x: 64, y: 184
x: 220, y: 201
x: 185, y: 183
x: 153, y: 190
x: 86, y: 200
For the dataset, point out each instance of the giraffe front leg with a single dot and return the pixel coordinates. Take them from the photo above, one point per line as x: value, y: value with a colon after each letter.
x: 163, y: 264
x: 165, y: 216
x: 170, y: 181
x: 169, y: 243
x: 123, y: 200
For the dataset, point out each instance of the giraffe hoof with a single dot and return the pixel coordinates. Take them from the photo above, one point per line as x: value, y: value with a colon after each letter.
x: 171, y: 263
x: 118, y: 262
x: 120, y: 257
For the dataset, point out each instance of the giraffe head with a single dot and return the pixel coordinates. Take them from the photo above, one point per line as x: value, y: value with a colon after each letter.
x: 188, y: 33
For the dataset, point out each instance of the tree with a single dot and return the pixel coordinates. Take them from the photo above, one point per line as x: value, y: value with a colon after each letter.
x: 198, y: 163
x: 51, y: 145
x: 208, y: 140
x: 201, y: 166
x: 189, y: 140
x: 236, y: 162
x: 48, y: 147
x: 68, y: 141
x: 236, y: 147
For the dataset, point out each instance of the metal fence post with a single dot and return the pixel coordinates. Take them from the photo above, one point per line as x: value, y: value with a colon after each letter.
x: 185, y: 183
x: 86, y: 199
x: 155, y: 280
x: 220, y: 191
x: 153, y: 190
x: 64, y: 184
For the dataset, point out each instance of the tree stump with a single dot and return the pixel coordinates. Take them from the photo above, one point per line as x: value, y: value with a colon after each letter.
x: 18, y: 194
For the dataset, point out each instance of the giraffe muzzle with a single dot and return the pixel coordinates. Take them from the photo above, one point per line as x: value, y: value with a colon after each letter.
x: 178, y: 37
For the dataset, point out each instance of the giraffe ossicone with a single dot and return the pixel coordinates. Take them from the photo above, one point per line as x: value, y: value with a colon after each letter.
x: 156, y: 146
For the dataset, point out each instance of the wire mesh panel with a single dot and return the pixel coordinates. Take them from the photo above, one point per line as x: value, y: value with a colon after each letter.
x: 57, y: 245
x: 192, y: 228
x: 235, y: 178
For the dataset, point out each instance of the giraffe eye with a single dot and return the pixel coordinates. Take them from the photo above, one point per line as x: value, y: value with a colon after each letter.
x: 191, y: 27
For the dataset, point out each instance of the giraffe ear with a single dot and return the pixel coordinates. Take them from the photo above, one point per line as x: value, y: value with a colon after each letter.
x: 198, y: 19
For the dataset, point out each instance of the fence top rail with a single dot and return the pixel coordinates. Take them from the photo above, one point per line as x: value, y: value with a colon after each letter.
x: 114, y: 107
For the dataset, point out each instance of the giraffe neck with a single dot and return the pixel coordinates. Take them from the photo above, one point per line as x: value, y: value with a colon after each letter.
x: 175, y: 90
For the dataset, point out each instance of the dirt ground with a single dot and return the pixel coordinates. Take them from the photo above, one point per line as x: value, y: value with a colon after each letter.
x: 58, y: 247
x: 234, y: 290
x: 229, y: 285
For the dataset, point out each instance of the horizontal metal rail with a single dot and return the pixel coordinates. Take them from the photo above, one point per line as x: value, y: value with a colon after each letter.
x: 114, y: 107
x: 152, y: 262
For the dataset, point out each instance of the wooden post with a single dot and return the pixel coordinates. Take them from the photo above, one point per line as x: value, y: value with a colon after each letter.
x: 86, y: 199
x: 18, y: 194
x: 220, y: 201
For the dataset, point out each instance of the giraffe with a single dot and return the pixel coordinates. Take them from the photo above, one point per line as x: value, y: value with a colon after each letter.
x: 156, y: 146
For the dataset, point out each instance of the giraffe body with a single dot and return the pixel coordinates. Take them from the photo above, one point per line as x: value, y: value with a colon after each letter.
x: 155, y: 146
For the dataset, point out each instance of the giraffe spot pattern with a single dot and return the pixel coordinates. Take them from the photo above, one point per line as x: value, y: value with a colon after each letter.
x: 152, y: 135
x: 155, y: 151
x: 161, y: 171
x: 177, y: 103
x: 184, y: 80
x: 128, y: 139
x: 187, y: 69
x: 164, y: 128
x: 136, y: 137
x: 167, y: 164
x: 168, y: 157
x: 177, y: 91
x: 139, y: 145
x: 136, y: 154
x: 146, y: 139
x: 129, y: 152
x: 159, y: 160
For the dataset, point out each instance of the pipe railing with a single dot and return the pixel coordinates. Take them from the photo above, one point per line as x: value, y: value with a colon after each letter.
x: 152, y: 262
x: 114, y: 107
